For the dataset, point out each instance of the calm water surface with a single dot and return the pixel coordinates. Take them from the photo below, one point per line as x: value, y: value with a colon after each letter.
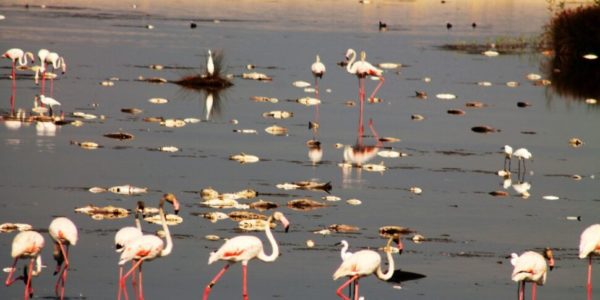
x: 472, y: 232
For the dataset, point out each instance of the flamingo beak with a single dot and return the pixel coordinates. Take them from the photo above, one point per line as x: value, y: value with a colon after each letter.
x: 176, y: 206
x: 400, y: 244
x: 550, y: 257
x: 284, y: 221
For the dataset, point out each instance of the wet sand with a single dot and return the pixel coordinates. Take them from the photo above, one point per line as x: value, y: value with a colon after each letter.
x: 472, y: 233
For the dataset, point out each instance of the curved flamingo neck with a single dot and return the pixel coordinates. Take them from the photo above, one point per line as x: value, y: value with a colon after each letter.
x: 350, y: 66
x: 22, y: 60
x: 169, y: 246
x: 390, y: 272
x: 269, y: 258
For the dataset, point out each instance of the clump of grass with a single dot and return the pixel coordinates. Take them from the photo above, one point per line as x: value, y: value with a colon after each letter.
x: 502, y: 44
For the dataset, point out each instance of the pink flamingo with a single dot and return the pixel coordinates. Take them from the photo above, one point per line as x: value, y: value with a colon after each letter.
x: 244, y: 248
x: 362, y: 69
x: 16, y: 55
x: 57, y: 62
x: 41, y: 69
x: 318, y: 70
x: 26, y: 244
x: 124, y: 236
x: 589, y: 246
x: 364, y: 263
x: 148, y: 246
x: 64, y: 233
x: 531, y: 267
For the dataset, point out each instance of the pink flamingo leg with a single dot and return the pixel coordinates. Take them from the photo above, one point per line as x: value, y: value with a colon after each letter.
x: 62, y: 274
x: 28, y: 289
x: 521, y: 287
x: 214, y: 281
x: 9, y: 281
x: 124, y: 278
x: 356, y: 289
x: 589, y: 279
x: 14, y: 89
x: 122, y: 288
x: 343, y: 286
x: 51, y: 87
x: 43, y: 81
x: 245, y: 280
x: 533, y: 291
x: 381, y: 81
x: 140, y: 284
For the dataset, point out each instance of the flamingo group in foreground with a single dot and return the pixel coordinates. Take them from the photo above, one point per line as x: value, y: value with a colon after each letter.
x: 26, y: 244
x: 364, y: 263
x: 124, y: 236
x: 148, y: 246
x: 244, y: 248
x: 64, y: 233
x: 531, y: 267
x: 19, y: 56
x: 589, y: 246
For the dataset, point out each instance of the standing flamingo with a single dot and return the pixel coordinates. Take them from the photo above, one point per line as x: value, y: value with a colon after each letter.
x: 57, y: 62
x: 522, y: 154
x: 64, y: 233
x: 124, y: 236
x: 508, y: 152
x: 148, y: 247
x: 244, y: 248
x: 531, y: 267
x: 589, y: 246
x: 345, y: 254
x: 42, y: 54
x: 364, y: 263
x: 26, y: 244
x: 318, y: 70
x: 210, y: 65
x: 362, y: 69
x: 16, y: 55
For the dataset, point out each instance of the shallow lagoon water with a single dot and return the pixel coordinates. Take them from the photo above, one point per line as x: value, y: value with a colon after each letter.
x: 472, y: 232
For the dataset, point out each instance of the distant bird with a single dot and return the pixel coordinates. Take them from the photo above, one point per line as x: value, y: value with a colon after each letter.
x: 589, y: 246
x: 210, y: 65
x: 531, y: 267
x: 492, y: 51
x: 508, y: 152
x: 448, y: 25
x: 382, y: 26
x: 522, y: 154
x: 57, y: 62
x: 64, y: 233
x: 318, y: 70
x: 50, y: 102
x: 16, y: 55
x: 474, y: 25
x: 127, y: 234
x: 148, y: 247
x: 244, y: 248
x: 193, y: 25
x: 364, y: 263
x: 26, y: 244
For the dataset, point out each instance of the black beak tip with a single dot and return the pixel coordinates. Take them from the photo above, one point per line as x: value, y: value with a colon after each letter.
x: 287, y: 228
x: 177, y: 212
x: 551, y: 268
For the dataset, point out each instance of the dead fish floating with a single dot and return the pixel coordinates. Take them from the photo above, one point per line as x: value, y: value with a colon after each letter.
x: 445, y: 96
x: 158, y: 80
x: 132, y: 110
x: 375, y: 167
x: 499, y: 193
x: 484, y: 129
x: 245, y: 131
x: 209, y: 193
x: 263, y: 205
x: 86, y: 145
x: 240, y: 215
x: 278, y: 114
x: 246, y: 194
x: 575, y: 142
x: 417, y: 117
x: 300, y: 84
x: 154, y: 119
x: 82, y: 115
x: 389, y: 139
x: 10, y: 227
x: 523, y: 104
x: 276, y: 130
x: 97, y: 190
x: 173, y: 123
x: 170, y: 218
x: 343, y: 228
x: 119, y: 135
x: 255, y: 225
x: 393, y: 230
x: 331, y: 198
x: 458, y: 112
x: 191, y: 120
x: 313, y: 185
x: 244, y: 158
x: 308, y: 101
x: 256, y: 76
x: 214, y: 216
x: 391, y: 154
x: 421, y: 94
x: 105, y: 210
x: 158, y: 100
x: 128, y: 190
x: 264, y: 99
x: 475, y: 104
x: 389, y: 65
x: 169, y: 149
x: 305, y: 204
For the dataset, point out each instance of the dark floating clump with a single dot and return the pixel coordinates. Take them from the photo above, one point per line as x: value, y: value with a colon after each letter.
x: 484, y: 129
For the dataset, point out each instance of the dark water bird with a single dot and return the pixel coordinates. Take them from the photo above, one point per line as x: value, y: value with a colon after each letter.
x: 26, y: 244
x: 382, y: 26
x: 474, y: 25
x: 448, y: 25
x: 64, y: 233
x: 589, y: 246
x: 243, y: 249
x: 193, y: 25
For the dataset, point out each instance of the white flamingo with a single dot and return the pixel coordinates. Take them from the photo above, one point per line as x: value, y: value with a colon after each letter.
x: 16, y: 55
x: 57, y: 62
x: 148, y: 247
x: 508, y: 151
x: 26, y: 244
x: 522, y: 154
x: 42, y: 54
x: 531, y: 267
x: 244, y: 248
x: 318, y: 70
x: 64, y: 233
x: 345, y: 254
x: 127, y: 234
x: 364, y: 263
x: 362, y: 69
x: 589, y: 246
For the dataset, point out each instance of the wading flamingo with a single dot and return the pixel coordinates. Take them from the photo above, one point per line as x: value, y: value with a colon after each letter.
x: 148, y: 247
x: 16, y: 55
x: 50, y: 102
x: 210, y: 65
x: 362, y: 69
x: 531, y: 267
x: 57, y: 62
x: 64, y: 233
x: 26, y: 244
x: 364, y: 263
x: 522, y: 154
x: 244, y: 248
x: 318, y: 70
x: 39, y: 70
x: 124, y: 236
x: 508, y: 152
x: 589, y: 246
x: 344, y: 254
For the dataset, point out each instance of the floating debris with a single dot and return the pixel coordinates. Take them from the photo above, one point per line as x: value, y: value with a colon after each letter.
x: 109, y: 212
x: 263, y: 205
x: 264, y: 99
x: 214, y: 216
x: 458, y: 112
x: 10, y: 227
x: 389, y: 65
x: 158, y: 100
x: 389, y: 139
x: 484, y: 129
x: 240, y: 215
x: 499, y: 193
x: 128, y: 190
x: 417, y: 238
x: 97, y: 190
x: 305, y: 204
x: 168, y: 149
x: 523, y: 104
x: 256, y: 76
x: 331, y: 198
x: 300, y: 84
x: 354, y: 201
x: 475, y: 104
x: 86, y: 145
x: 119, y: 135
x: 255, y: 225
x: 484, y: 83
x: 212, y: 237
x: 191, y: 120
x: 170, y: 218
x: 276, y: 130
x: 417, y: 117
x: 278, y: 114
x: 308, y: 101
x: 246, y: 131
x: 394, y: 230
x: 374, y: 167
x: 445, y: 96
x: 133, y: 111
x: 343, y: 228
x: 310, y: 243
x: 415, y: 190
x: 244, y: 158
x: 575, y: 142
x: 173, y: 123
x: 550, y: 197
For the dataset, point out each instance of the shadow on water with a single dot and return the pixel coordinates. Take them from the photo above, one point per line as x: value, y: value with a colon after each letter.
x: 402, y: 276
x: 574, y: 34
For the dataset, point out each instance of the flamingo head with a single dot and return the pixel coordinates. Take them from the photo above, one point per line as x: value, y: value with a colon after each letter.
x: 363, y: 55
x: 139, y: 208
x: 278, y: 216
x: 396, y: 238
x: 550, y: 257
x: 508, y: 150
x: 171, y: 199
x: 349, y: 54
